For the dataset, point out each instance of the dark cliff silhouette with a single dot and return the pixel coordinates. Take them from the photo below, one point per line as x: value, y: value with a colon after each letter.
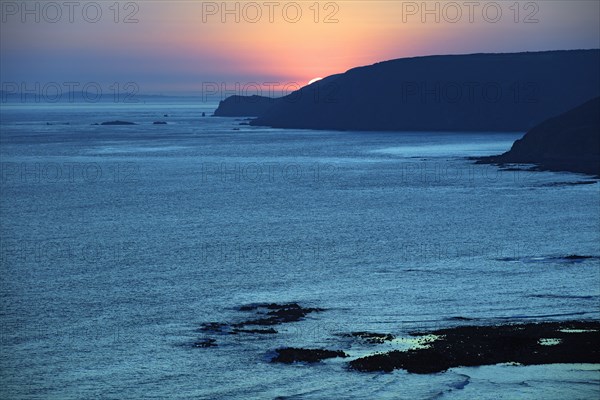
x: 244, y: 106
x: 477, y: 92
x: 568, y: 142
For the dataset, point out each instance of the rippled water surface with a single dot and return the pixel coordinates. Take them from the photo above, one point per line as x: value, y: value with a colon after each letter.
x: 118, y: 242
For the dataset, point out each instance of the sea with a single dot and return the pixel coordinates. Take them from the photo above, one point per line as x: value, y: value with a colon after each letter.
x: 119, y: 242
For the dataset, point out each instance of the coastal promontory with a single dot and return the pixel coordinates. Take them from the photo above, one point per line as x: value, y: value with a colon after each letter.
x: 567, y: 142
x: 474, y: 92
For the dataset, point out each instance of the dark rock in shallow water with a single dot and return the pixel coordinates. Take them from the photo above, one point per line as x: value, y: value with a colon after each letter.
x: 159, y: 123
x: 290, y: 355
x: 267, y: 314
x: 371, y: 337
x: 277, y: 314
x: 118, y: 123
x: 527, y: 344
x: 568, y: 142
x: 203, y: 343
x: 269, y: 306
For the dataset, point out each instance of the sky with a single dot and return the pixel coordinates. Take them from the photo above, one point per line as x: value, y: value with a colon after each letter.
x: 169, y: 47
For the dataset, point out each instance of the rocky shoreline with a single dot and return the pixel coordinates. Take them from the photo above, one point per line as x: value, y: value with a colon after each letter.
x: 432, y: 351
x: 468, y: 346
x: 569, y: 142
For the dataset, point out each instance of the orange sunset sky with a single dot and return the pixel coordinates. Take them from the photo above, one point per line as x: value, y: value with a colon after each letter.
x: 176, y: 46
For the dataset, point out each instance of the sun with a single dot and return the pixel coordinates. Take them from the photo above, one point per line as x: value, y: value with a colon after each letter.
x: 314, y: 80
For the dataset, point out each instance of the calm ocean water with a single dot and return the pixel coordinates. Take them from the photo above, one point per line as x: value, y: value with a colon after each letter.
x: 118, y: 242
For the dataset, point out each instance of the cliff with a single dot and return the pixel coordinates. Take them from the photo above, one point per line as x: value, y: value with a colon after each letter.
x: 477, y: 92
x: 568, y: 142
x: 244, y: 106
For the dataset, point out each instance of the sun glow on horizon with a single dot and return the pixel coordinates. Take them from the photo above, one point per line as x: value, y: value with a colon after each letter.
x: 200, y: 43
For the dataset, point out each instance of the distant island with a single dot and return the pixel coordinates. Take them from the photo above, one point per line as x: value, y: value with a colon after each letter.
x: 476, y: 92
x: 568, y: 142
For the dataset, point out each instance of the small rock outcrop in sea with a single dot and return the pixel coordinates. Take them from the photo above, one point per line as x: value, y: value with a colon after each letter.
x: 568, y: 142
x: 274, y: 314
x: 526, y: 344
x: 159, y: 123
x: 243, y: 106
x: 118, y: 123
x: 371, y: 337
x: 265, y: 316
x: 290, y: 355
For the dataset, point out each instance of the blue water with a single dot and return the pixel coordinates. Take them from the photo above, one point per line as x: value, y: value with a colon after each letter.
x: 118, y: 242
